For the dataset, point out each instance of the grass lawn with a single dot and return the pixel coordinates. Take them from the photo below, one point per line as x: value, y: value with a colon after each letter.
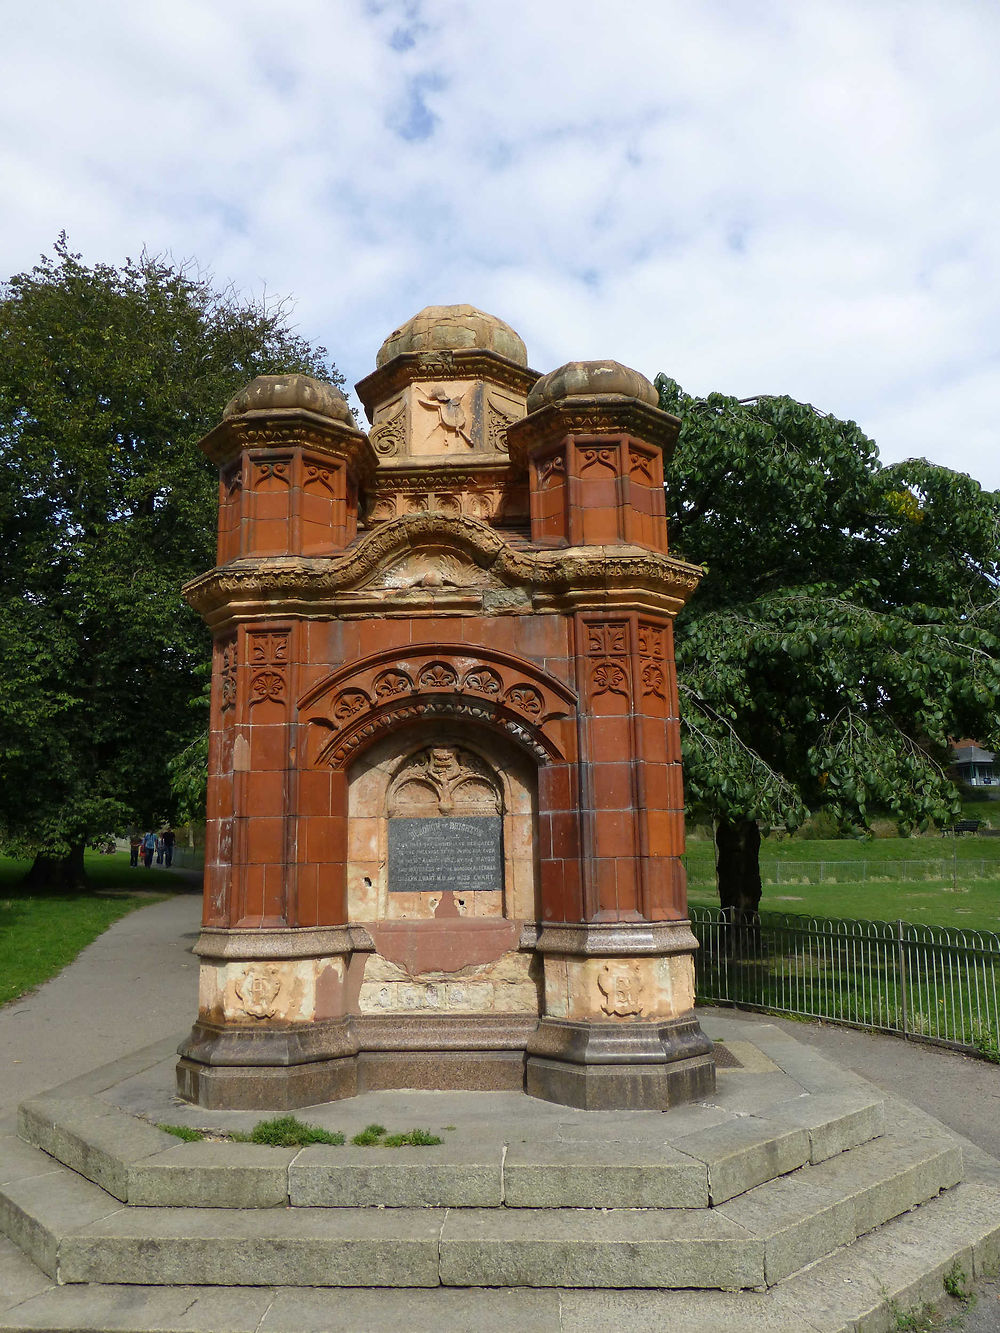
x: 40, y: 932
x: 882, y: 889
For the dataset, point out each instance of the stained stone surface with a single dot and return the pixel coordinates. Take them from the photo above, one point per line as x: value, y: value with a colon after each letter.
x: 439, y: 328
x: 267, y: 392
x: 589, y: 378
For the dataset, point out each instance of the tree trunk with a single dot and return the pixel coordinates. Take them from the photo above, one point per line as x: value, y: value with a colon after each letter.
x: 58, y: 872
x: 737, y: 843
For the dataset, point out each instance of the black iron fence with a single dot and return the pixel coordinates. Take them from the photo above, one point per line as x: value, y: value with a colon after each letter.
x: 927, y: 983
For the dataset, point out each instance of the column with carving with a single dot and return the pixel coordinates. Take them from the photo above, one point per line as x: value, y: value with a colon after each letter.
x: 619, y: 1027
x: 271, y: 1029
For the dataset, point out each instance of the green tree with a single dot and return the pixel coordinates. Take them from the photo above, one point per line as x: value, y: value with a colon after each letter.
x: 108, y: 378
x: 846, y: 626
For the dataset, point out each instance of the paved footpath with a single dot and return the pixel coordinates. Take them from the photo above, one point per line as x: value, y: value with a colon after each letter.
x: 138, y: 984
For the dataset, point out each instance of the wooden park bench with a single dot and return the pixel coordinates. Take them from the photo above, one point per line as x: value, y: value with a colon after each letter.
x: 963, y: 826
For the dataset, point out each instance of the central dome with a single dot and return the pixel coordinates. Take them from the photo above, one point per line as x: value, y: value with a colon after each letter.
x: 453, y: 328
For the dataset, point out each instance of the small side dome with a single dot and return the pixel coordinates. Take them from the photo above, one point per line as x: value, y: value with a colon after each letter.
x: 268, y: 392
x: 439, y: 328
x: 587, y: 379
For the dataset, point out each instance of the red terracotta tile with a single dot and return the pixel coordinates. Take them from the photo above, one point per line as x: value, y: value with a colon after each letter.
x: 270, y: 506
x: 660, y: 837
x: 265, y: 841
x: 325, y: 841
x: 673, y: 742
x: 552, y: 889
x: 565, y: 835
x: 676, y: 787
x: 606, y: 880
x: 274, y: 893
x: 651, y: 738
x: 628, y: 887
x: 318, y: 539
x: 268, y: 537
x: 249, y: 881
x: 306, y: 894
x: 555, y: 787
x: 332, y: 896
x: 562, y: 733
x: 612, y: 786
x: 543, y: 839
x: 666, y: 899
x: 617, y: 833
x: 573, y: 890
x: 268, y: 745
x: 313, y: 797
x: 435, y: 630
x: 653, y: 786
x: 265, y: 793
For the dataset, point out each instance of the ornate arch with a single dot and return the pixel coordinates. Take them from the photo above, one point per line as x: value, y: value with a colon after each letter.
x: 362, y: 701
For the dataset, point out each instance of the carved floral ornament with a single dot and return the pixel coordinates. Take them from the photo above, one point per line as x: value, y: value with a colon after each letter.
x: 506, y: 693
x: 551, y: 470
x: 227, y: 674
x: 469, y: 497
x: 608, y: 643
x: 606, y: 457
x: 268, y: 657
x: 640, y: 462
x: 320, y: 476
x: 447, y: 778
x: 278, y: 471
x: 388, y: 435
x: 609, y: 678
x: 499, y: 419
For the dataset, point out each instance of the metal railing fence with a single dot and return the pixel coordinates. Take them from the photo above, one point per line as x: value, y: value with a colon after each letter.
x: 927, y: 983
x: 862, y: 872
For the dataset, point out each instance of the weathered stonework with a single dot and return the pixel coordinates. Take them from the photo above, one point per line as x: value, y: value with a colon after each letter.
x: 445, y: 806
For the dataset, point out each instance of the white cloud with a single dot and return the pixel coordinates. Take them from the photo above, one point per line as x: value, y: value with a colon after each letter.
x: 753, y: 197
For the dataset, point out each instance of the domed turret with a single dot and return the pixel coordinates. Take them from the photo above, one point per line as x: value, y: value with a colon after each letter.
x: 269, y: 392
x: 588, y: 379
x: 439, y: 328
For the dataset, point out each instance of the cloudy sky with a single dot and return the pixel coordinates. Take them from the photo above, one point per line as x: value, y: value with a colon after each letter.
x: 755, y: 196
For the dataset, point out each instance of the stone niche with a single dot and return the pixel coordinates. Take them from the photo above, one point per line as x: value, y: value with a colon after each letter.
x: 445, y: 809
x: 443, y: 874
x: 442, y: 826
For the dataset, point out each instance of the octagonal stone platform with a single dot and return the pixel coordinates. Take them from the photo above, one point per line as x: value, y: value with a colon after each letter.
x: 797, y: 1197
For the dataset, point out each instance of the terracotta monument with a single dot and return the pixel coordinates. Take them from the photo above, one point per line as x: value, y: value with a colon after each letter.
x: 445, y: 811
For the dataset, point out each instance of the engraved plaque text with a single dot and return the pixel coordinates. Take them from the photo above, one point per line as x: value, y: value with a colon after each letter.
x: 461, y: 853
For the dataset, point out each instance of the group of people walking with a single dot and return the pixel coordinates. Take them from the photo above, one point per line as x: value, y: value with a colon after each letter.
x: 149, y: 845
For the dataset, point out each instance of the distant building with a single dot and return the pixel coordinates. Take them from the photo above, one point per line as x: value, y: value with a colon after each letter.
x: 974, y: 765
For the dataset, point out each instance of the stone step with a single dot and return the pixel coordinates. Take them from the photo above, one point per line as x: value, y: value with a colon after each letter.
x: 139, y: 1164
x: 867, y: 1285
x: 79, y: 1233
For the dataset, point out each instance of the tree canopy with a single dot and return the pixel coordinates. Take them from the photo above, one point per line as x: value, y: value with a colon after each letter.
x: 108, y: 378
x: 847, y: 626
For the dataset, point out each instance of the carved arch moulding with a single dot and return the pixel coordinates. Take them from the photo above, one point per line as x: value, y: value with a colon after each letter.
x: 351, y: 708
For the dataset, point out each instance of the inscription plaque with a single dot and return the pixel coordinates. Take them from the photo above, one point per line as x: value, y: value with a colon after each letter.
x: 463, y: 853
